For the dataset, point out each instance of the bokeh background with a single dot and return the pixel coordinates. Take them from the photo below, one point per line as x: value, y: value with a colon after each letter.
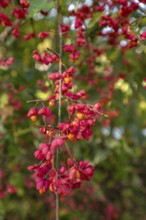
x: 118, y: 145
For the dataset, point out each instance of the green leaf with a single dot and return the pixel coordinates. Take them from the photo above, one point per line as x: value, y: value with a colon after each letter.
x: 143, y: 47
x: 95, y: 19
x: 37, y: 5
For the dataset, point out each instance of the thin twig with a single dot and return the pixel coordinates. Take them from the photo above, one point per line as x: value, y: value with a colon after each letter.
x: 52, y: 51
x: 100, y: 113
x: 58, y: 56
x: 37, y: 100
x: 68, y: 150
x: 60, y: 96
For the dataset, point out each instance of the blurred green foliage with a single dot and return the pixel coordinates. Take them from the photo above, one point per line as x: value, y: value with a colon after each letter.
x: 117, y: 151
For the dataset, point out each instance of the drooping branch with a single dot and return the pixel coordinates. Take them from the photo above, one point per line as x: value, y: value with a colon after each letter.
x: 60, y: 94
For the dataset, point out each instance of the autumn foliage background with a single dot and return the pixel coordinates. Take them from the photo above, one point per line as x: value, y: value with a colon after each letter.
x: 110, y: 63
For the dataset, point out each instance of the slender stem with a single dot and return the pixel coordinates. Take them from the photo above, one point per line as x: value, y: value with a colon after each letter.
x: 68, y: 150
x: 52, y: 51
x: 36, y: 100
x: 60, y: 95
